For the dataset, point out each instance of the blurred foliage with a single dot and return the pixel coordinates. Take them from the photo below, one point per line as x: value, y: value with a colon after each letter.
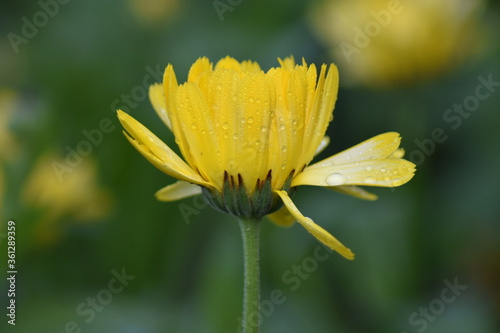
x: 91, y: 57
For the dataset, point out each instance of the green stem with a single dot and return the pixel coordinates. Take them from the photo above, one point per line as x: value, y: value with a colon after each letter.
x: 250, y: 231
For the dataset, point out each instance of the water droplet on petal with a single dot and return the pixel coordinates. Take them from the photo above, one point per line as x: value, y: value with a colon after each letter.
x: 225, y: 126
x: 251, y: 100
x: 250, y: 120
x: 383, y: 170
x: 263, y: 128
x: 193, y: 126
x: 397, y: 182
x: 282, y: 127
x: 369, y: 168
x: 370, y: 180
x: 335, y: 179
x: 235, y: 136
x: 284, y: 149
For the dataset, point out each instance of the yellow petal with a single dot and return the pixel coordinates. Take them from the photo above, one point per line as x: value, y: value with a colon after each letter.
x: 399, y: 153
x: 201, y: 66
x: 157, y: 98
x: 177, y: 191
x: 387, y: 172
x: 324, y: 143
x: 321, y: 234
x: 355, y: 191
x: 156, y: 151
x: 321, y: 102
x: 282, y: 217
x: 380, y: 146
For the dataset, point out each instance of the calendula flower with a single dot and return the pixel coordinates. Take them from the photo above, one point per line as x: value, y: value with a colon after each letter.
x: 386, y: 43
x: 248, y: 137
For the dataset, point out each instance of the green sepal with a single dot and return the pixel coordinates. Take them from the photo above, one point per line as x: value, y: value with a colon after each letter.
x: 235, y: 200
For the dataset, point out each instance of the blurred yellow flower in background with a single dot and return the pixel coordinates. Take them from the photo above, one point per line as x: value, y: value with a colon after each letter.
x: 248, y: 136
x: 151, y: 12
x: 77, y: 196
x: 389, y: 42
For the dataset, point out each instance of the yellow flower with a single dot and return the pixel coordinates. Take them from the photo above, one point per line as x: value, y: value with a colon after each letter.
x: 150, y: 12
x: 248, y: 136
x: 383, y: 42
x: 77, y: 196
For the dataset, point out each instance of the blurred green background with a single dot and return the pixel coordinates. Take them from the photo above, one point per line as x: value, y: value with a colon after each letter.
x: 82, y: 219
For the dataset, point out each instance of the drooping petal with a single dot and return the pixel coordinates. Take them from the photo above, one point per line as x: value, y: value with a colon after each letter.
x: 177, y: 191
x: 157, y: 98
x: 282, y: 217
x: 355, y: 191
x: 321, y: 234
x: 387, y: 172
x: 156, y: 151
x: 380, y: 146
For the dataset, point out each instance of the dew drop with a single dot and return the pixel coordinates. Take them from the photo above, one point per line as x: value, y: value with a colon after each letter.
x: 243, y: 120
x: 397, y: 182
x: 383, y: 170
x: 250, y: 120
x: 235, y: 136
x: 283, y: 165
x: 284, y: 149
x: 251, y: 100
x: 335, y: 179
x: 263, y: 128
x: 282, y: 127
x: 369, y: 168
x: 219, y: 87
x: 225, y: 126
x: 369, y: 180
x: 193, y: 126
